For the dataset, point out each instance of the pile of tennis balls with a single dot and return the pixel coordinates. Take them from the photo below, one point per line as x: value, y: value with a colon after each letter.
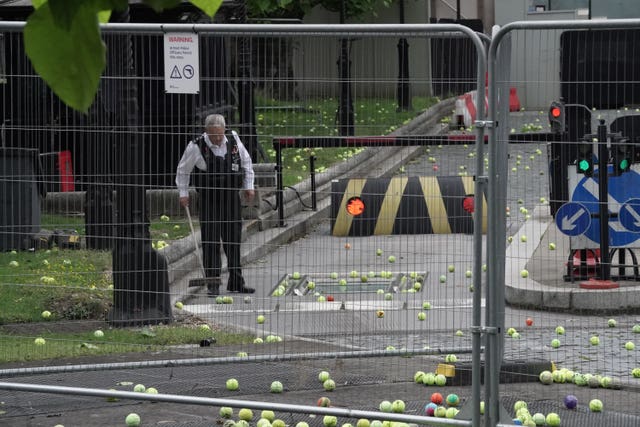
x: 429, y: 378
x: 565, y: 375
x: 442, y: 407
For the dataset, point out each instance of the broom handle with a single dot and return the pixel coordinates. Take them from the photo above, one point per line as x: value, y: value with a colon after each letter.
x: 195, y: 240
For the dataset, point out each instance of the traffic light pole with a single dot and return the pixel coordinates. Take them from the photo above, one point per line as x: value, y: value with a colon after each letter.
x: 603, y: 190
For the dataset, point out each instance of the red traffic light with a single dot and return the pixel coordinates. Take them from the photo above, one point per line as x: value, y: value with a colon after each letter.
x: 355, y: 206
x: 556, y: 112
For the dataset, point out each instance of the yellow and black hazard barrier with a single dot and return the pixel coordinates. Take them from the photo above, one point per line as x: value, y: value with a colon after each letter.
x: 403, y: 205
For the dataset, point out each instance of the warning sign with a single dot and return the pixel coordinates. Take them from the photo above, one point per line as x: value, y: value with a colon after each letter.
x: 181, y: 63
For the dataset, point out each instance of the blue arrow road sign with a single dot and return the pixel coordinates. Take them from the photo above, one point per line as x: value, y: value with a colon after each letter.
x: 573, y: 218
x: 621, y: 189
x: 630, y: 215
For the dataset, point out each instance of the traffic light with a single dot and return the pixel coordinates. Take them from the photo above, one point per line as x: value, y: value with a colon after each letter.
x: 621, y: 155
x: 584, y: 161
x: 557, y: 117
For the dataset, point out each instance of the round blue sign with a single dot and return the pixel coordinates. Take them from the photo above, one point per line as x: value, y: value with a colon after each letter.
x: 630, y: 215
x: 621, y: 189
x: 573, y: 219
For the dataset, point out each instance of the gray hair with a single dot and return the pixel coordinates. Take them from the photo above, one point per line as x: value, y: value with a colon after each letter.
x: 214, y: 120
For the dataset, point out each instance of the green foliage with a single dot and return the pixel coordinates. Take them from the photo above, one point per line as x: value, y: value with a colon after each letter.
x: 62, y: 40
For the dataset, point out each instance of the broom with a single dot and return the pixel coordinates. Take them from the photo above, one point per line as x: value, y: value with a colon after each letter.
x: 212, y: 283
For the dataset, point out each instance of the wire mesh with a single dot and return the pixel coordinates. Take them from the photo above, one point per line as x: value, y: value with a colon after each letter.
x: 556, y: 309
x: 107, y: 269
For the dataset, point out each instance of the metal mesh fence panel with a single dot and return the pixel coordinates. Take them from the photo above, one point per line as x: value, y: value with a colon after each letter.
x: 570, y: 277
x: 101, y: 288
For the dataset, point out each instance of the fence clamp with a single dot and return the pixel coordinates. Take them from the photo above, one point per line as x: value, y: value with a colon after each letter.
x: 484, y: 123
x: 491, y: 330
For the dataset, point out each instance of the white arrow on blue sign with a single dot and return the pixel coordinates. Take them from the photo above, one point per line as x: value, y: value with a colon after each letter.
x: 621, y: 188
x: 573, y: 219
x: 629, y: 215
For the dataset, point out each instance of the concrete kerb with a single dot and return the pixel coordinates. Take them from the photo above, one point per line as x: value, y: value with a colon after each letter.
x: 539, y: 289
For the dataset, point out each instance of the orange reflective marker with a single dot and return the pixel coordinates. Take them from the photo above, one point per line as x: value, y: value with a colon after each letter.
x: 355, y: 206
x: 555, y: 112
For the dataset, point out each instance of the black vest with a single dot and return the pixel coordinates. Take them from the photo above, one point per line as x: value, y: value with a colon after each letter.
x: 222, y: 172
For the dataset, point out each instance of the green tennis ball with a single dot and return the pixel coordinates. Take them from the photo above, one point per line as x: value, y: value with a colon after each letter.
x: 553, y: 419
x: 226, y: 412
x: 595, y: 405
x: 268, y: 415
x: 329, y: 421
x: 132, y: 420
x: 232, y: 384
x: 245, y: 414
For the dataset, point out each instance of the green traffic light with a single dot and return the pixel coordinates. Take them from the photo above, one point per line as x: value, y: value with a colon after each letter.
x: 584, y: 165
x: 624, y: 164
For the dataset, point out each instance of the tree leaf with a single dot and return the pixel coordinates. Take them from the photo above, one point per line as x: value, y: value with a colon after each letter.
x: 70, y: 61
x: 209, y: 7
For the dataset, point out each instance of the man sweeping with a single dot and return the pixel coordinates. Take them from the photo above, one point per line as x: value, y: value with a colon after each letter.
x: 223, y: 168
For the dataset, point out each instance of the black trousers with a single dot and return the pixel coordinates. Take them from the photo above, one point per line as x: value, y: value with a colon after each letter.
x: 221, y: 223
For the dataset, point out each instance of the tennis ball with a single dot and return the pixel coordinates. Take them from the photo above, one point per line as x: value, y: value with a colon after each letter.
x: 459, y: 333
x: 629, y: 345
x: 442, y: 278
x: 519, y: 405
x: 295, y: 275
x: 422, y: 315
x: 441, y: 412
x: 441, y: 380
x: 132, y: 420
x: 437, y: 398
x: 232, y: 384
x: 227, y: 299
x: 595, y: 405
x: 552, y: 246
x: 329, y: 385
x: 426, y: 305
x: 560, y: 330
x: 380, y: 314
x: 353, y: 274
x: 14, y: 263
x: 151, y: 390
x: 262, y: 422
x: 268, y: 415
x: 258, y: 340
x: 245, y: 414
x: 453, y: 399
x: 636, y: 329
x: 276, y: 387
x: 612, y: 323
x: 39, y: 341
x: 558, y: 377
x: 539, y: 419
x: 226, y: 412
x: 524, y: 274
x: 139, y: 388
x: 635, y: 372
x: 555, y: 343
x: 418, y: 376
x: 385, y: 406
x: 546, y: 377
x: 333, y: 275
x: 324, y: 402
x: 278, y: 423
x: 379, y: 252
x: 329, y: 421
x: 511, y: 331
x: 570, y: 401
x: 553, y: 419
x: 397, y: 406
x: 164, y: 218
x: 363, y: 422
x: 98, y: 334
x: 179, y: 305
x: 391, y: 259
x: 46, y: 314
x: 594, y: 340
x: 451, y: 358
x: 260, y: 319
x: 430, y: 378
x: 451, y: 412
x: 299, y: 424
x: 451, y: 268
x: 523, y: 238
x: 430, y: 409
